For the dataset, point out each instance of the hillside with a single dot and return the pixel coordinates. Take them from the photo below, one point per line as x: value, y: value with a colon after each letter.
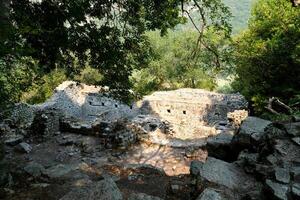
x: 240, y: 10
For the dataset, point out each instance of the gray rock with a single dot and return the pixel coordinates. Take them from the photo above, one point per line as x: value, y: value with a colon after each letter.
x: 209, y: 194
x: 296, y: 190
x: 282, y: 175
x: 59, y: 170
x: 263, y: 171
x: 224, y: 174
x: 103, y: 190
x: 219, y: 146
x: 34, y: 169
x: 295, y: 171
x: 142, y: 196
x: 296, y: 118
x: 275, y: 131
x: 277, y: 190
x: 252, y: 131
x: 14, y: 141
x: 24, y: 147
x: 296, y: 140
x: 272, y: 159
x: 293, y: 128
x: 246, y: 157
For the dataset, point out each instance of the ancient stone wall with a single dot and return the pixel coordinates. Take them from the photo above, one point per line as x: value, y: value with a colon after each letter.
x: 87, y: 103
x: 187, y: 105
x: 189, y: 113
x: 101, y: 106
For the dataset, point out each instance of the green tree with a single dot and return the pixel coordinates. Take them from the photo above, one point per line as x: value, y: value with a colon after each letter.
x: 108, y: 36
x: 16, y: 76
x: 175, y: 64
x: 267, y: 54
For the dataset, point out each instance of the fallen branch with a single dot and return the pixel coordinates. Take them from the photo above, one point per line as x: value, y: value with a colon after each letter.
x: 275, y: 106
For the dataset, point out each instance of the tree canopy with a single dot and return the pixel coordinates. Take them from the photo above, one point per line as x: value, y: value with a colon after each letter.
x: 267, y: 54
x: 106, y: 35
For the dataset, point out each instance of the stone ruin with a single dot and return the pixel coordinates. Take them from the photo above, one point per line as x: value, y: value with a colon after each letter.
x: 186, y: 106
x: 192, y: 113
x: 184, y: 117
x: 83, y: 144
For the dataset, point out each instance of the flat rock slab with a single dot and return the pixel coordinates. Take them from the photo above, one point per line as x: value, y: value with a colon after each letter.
x: 296, y: 140
x: 282, y: 175
x: 224, y: 174
x: 24, y: 147
x: 34, y: 169
x: 59, y: 170
x: 103, y: 190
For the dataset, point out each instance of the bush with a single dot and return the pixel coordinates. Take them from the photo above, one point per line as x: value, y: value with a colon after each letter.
x: 43, y: 89
x: 16, y: 75
x: 173, y: 64
x: 89, y: 76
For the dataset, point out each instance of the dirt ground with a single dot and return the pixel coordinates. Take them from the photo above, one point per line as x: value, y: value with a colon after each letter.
x: 85, y: 160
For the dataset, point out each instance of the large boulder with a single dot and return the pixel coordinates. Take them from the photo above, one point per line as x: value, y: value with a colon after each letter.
x: 252, y: 131
x: 223, y: 174
x: 105, y: 189
x: 219, y: 146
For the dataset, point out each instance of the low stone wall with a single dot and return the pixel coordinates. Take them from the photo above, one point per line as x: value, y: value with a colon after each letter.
x: 46, y: 122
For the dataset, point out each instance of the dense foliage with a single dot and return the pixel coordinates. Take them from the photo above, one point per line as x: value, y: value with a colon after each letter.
x: 108, y: 36
x: 267, y: 54
x: 174, y: 65
x: 124, y: 44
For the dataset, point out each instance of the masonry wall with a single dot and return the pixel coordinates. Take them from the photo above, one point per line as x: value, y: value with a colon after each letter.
x: 192, y: 105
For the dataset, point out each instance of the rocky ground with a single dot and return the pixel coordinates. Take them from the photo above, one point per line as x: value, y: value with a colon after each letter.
x: 50, y: 155
x: 260, y: 161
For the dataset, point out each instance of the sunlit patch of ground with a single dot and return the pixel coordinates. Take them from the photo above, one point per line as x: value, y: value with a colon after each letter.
x: 172, y: 160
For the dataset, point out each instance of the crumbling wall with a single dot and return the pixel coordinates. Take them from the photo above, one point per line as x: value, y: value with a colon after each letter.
x: 187, y: 105
x: 46, y: 122
x: 87, y: 102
